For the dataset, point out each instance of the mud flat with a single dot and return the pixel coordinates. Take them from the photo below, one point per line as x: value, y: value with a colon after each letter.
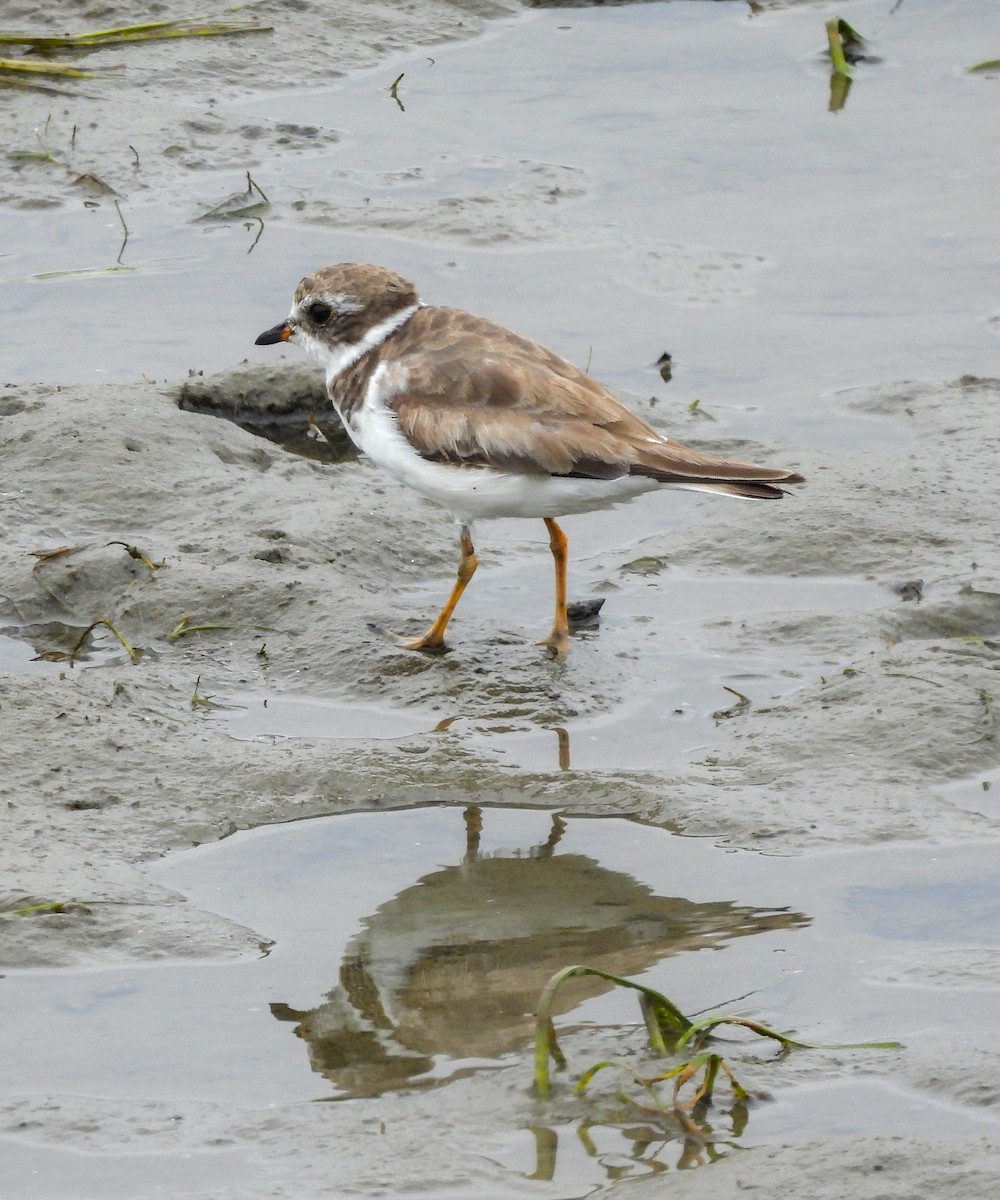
x: 862, y: 621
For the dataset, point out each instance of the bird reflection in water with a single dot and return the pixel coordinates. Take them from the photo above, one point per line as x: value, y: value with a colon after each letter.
x: 621, y: 1151
x: 562, y: 740
x: 444, y: 977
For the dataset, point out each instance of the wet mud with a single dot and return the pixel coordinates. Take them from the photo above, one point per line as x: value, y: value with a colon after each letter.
x: 857, y: 625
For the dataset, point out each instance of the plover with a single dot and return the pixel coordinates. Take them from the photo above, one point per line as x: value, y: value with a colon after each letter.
x: 484, y: 422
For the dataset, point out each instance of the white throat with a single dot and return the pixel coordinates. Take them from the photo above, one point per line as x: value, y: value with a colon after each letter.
x: 336, y: 359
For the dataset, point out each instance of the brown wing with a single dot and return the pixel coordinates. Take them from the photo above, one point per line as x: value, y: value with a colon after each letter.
x: 475, y: 394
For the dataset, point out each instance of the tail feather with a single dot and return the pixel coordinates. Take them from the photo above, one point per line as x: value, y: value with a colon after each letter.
x: 762, y: 483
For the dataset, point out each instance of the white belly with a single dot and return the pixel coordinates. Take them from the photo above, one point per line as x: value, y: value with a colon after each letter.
x: 476, y: 493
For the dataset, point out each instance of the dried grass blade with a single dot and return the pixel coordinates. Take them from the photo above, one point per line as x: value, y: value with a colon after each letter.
x: 148, y: 32
x: 25, y: 66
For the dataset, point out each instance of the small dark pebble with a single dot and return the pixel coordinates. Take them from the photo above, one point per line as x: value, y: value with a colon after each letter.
x: 913, y: 589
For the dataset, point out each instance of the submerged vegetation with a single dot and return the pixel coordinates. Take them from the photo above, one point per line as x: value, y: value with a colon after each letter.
x: 845, y: 47
x: 670, y: 1034
x: 248, y: 203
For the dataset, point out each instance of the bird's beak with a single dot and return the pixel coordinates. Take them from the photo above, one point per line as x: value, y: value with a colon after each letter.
x: 280, y: 333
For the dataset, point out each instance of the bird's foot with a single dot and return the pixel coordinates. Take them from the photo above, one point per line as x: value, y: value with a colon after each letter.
x: 557, y: 643
x: 431, y: 642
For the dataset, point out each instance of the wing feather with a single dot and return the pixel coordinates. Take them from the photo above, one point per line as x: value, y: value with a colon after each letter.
x: 476, y: 395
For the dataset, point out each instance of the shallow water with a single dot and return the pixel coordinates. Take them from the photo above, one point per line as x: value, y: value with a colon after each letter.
x: 17, y: 656
x: 677, y: 692
x: 410, y: 947
x: 606, y: 149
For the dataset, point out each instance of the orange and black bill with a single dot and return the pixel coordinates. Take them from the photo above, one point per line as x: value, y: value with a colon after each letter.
x: 280, y: 333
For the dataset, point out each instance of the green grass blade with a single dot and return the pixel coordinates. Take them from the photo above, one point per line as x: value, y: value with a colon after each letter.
x: 133, y: 654
x: 31, y: 910
x: 588, y: 1075
x: 702, y: 1028
x: 835, y: 39
x: 671, y: 1024
x: 654, y: 1031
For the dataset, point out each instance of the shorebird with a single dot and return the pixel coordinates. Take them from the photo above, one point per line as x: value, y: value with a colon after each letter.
x: 484, y: 422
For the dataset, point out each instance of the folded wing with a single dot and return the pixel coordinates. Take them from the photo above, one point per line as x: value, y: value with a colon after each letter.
x: 521, y: 408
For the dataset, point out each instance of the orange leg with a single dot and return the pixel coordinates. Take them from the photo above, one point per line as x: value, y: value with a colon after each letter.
x: 558, y: 639
x: 433, y: 639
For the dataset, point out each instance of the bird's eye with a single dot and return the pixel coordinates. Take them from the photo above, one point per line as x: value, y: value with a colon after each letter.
x: 320, y: 312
